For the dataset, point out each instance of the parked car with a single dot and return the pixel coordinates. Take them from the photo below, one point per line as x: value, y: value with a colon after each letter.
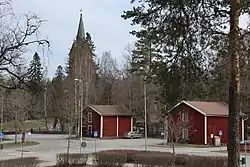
x: 132, y: 135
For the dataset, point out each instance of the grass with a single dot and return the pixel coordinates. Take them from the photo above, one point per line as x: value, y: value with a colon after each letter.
x: 225, y: 151
x: 28, y: 124
x: 19, y: 144
x: 186, y: 145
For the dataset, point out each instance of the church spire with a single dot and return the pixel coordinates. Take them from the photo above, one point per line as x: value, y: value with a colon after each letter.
x: 80, y: 32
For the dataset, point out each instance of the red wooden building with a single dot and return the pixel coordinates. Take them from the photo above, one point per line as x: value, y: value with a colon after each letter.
x: 206, y: 120
x: 108, y: 120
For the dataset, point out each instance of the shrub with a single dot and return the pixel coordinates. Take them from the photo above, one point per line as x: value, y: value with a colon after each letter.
x: 154, y: 160
x: 20, y: 162
x: 181, y: 159
x: 64, y: 160
x: 109, y: 159
x: 202, y: 161
x: 131, y: 154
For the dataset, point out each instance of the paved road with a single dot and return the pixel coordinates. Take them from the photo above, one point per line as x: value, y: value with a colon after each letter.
x: 50, y: 145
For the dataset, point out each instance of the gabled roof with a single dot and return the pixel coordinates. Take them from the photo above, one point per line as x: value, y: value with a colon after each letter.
x: 208, y: 108
x: 111, y: 110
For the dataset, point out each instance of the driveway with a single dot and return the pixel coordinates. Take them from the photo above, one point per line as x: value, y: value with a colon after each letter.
x: 50, y: 145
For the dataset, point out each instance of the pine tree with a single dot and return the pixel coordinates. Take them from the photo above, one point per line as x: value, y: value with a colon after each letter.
x: 185, y: 28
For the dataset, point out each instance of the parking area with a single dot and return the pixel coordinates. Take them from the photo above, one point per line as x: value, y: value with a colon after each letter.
x: 50, y: 145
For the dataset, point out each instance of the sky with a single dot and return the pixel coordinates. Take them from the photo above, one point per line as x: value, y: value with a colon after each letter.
x: 102, y: 19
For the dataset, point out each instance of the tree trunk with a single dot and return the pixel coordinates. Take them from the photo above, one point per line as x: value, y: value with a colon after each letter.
x: 15, y: 131
x: 55, y: 122
x: 234, y: 87
x: 173, y: 145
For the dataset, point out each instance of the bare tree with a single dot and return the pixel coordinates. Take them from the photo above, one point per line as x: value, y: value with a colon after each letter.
x: 109, y: 75
x: 179, y: 128
x: 16, y: 37
x: 17, y: 106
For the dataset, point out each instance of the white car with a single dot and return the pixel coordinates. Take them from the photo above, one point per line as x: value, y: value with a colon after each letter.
x: 133, y: 135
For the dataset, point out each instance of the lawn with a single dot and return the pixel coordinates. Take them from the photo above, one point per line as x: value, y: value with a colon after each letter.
x: 186, y: 145
x: 34, y: 124
x: 19, y: 144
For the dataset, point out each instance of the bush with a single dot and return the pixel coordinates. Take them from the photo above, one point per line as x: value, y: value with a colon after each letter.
x: 201, y: 161
x: 154, y: 160
x: 131, y: 154
x: 20, y: 162
x: 72, y: 160
x: 181, y: 159
x: 109, y: 159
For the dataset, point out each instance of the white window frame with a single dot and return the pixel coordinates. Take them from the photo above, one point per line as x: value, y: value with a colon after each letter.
x: 90, y: 117
x: 185, y: 132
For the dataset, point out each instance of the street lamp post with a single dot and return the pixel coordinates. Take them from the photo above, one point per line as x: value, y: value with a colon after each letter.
x: 145, y: 112
x: 81, y: 107
x: 146, y: 70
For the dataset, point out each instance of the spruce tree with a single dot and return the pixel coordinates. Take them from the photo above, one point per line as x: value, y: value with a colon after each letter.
x: 35, y: 77
x: 58, y: 96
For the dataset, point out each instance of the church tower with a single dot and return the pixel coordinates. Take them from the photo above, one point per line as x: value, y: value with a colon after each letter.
x: 81, y: 65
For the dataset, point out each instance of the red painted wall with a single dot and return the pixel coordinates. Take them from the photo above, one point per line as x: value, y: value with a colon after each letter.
x: 214, y: 124
x: 124, y: 125
x: 196, y: 119
x: 109, y: 126
x: 96, y: 123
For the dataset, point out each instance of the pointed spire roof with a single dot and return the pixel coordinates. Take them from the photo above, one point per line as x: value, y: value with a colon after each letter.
x: 80, y: 32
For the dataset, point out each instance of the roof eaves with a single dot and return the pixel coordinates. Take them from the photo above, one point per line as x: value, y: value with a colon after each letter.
x: 184, y: 102
x: 93, y: 108
x: 194, y: 108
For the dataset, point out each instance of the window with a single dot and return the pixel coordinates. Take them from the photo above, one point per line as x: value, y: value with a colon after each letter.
x: 185, y: 134
x: 89, y: 130
x: 184, y: 117
x: 89, y: 117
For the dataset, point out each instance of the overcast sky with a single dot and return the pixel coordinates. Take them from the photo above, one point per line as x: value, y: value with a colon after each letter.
x: 102, y: 18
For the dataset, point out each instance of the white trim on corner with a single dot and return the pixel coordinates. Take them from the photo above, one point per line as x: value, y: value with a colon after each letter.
x: 205, y: 129
x: 117, y: 126
x: 242, y: 130
x: 101, y: 127
x: 131, y: 128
